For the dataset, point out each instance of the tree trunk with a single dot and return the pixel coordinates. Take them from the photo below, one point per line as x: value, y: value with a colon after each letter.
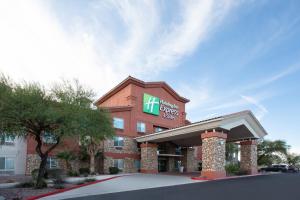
x: 42, y: 170
x: 92, y: 163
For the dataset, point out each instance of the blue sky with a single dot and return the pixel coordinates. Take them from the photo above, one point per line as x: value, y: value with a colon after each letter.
x: 225, y: 56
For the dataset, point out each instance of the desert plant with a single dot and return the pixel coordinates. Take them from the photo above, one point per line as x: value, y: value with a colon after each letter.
x: 84, y: 171
x: 28, y: 184
x: 57, y: 176
x: 232, y: 169
x: 67, y: 156
x: 73, y: 173
x: 113, y: 170
x: 90, y: 180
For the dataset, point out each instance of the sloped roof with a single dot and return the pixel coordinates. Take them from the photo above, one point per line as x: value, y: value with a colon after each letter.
x: 240, y: 126
x: 132, y: 80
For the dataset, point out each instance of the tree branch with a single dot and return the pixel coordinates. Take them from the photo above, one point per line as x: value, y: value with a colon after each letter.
x: 53, y: 146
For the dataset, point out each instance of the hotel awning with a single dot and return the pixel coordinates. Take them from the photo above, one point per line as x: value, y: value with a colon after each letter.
x: 238, y: 126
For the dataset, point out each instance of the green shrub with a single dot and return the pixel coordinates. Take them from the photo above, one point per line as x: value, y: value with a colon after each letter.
x: 73, y: 173
x: 113, y: 170
x: 90, y: 180
x: 58, y: 186
x: 54, y: 173
x: 232, y: 169
x: 80, y: 183
x: 43, y: 185
x: 242, y: 172
x: 28, y: 184
x: 57, y: 176
x: 34, y: 174
x: 84, y: 170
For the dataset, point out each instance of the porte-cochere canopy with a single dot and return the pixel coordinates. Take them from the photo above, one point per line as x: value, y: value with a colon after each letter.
x: 238, y: 127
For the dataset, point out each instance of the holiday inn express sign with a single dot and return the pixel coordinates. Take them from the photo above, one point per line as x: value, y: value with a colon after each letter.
x: 153, y: 105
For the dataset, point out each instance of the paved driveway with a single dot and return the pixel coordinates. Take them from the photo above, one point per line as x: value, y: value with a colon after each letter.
x: 125, y: 183
x: 270, y: 187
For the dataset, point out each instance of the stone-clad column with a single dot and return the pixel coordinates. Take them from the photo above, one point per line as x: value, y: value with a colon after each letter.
x: 249, y: 156
x: 213, y: 155
x: 149, y: 160
x: 189, y: 160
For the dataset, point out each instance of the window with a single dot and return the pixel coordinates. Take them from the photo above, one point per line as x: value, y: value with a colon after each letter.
x: 118, y: 141
x: 9, y: 139
x: 119, y: 163
x: 52, y: 163
x: 7, y: 164
x: 49, y: 138
x: 158, y: 129
x: 141, y: 127
x: 118, y: 123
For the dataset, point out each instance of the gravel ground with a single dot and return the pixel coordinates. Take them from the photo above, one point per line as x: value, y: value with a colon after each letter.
x: 24, y: 193
x: 15, y: 178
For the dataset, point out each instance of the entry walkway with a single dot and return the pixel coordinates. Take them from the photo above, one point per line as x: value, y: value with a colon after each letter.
x: 125, y: 183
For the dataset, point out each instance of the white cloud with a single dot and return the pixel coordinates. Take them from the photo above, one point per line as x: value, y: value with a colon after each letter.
x: 261, y: 110
x: 115, y: 39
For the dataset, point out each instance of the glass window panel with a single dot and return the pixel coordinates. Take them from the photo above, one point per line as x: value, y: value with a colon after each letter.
x: 141, y: 127
x: 118, y: 141
x: 118, y: 123
x: 9, y: 162
x: 9, y: 139
x: 2, y: 163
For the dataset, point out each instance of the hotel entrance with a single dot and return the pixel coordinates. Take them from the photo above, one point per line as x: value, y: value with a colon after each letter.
x: 162, y: 164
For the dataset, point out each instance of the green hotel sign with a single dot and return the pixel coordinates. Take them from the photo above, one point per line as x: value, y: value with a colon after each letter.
x: 153, y: 105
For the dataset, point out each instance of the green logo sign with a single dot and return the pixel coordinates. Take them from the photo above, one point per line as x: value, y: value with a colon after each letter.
x: 151, y: 104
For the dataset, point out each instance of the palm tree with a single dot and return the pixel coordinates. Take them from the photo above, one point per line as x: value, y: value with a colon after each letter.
x: 67, y: 156
x: 269, y: 152
x: 293, y: 159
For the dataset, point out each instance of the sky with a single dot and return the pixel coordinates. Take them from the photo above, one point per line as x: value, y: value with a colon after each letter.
x: 223, y: 55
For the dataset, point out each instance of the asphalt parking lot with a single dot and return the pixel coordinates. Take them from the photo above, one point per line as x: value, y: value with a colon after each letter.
x: 269, y: 187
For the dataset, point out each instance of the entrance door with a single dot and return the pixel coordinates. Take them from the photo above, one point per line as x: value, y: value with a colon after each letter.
x: 162, y: 165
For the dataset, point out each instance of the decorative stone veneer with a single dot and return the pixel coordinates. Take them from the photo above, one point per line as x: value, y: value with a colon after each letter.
x: 33, y: 162
x: 249, y: 156
x: 189, y: 160
x: 129, y: 153
x: 149, y: 160
x: 130, y: 146
x: 129, y: 165
x: 213, y: 154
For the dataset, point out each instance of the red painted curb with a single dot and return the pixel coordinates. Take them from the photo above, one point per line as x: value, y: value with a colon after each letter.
x: 71, y: 188
x: 228, y: 177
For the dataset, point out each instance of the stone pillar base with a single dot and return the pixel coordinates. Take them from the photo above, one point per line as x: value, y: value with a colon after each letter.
x: 147, y: 171
x: 252, y: 171
x: 213, y: 174
x: 149, y: 159
x: 249, y: 156
x: 213, y: 155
